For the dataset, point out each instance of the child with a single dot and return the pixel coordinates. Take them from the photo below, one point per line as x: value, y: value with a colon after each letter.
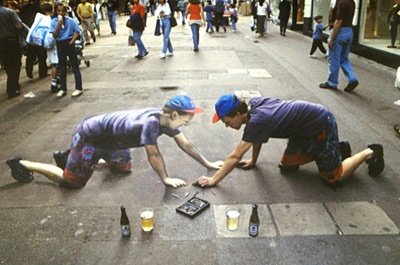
x: 317, y: 37
x: 66, y: 31
x: 209, y: 17
x: 234, y: 16
x: 47, y: 8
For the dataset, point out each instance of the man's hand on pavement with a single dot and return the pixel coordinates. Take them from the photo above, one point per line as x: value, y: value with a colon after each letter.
x: 246, y: 164
x: 204, y: 182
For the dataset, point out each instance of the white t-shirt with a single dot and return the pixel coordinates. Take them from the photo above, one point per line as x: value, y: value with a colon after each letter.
x: 163, y: 8
x: 262, y: 10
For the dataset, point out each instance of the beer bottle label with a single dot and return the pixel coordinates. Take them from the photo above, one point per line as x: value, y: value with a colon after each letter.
x: 253, y: 230
x: 126, y: 231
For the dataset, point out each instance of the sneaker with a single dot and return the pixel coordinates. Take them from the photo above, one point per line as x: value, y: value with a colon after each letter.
x: 351, y: 86
x: 61, y: 158
x: 234, y: 30
x: 288, y: 169
x: 195, y: 50
x: 145, y: 54
x: 139, y: 56
x: 312, y: 56
x: 170, y: 54
x: 376, y: 164
x: 18, y: 171
x: 77, y: 93
x: 326, y: 85
x: 162, y: 56
x: 345, y: 149
x: 61, y: 93
x: 327, y: 54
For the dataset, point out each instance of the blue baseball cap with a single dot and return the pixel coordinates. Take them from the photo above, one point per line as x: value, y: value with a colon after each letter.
x: 224, y: 105
x: 183, y: 103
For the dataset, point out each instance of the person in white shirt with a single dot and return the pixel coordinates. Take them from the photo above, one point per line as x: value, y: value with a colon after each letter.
x: 164, y: 13
x: 261, y: 7
x: 97, y: 15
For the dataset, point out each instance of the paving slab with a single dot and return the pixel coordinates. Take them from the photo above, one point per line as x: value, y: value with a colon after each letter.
x: 259, y: 73
x: 361, y: 218
x: 185, y: 60
x: 266, y: 227
x: 302, y: 219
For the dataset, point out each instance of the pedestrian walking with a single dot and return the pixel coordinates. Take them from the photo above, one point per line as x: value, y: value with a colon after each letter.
x: 66, y: 31
x: 109, y: 137
x: 10, y: 52
x: 261, y: 7
x: 112, y: 6
x: 209, y: 16
x: 219, y: 9
x: 196, y: 20
x: 138, y: 23
x: 317, y: 37
x: 393, y: 21
x: 311, y: 131
x: 164, y: 13
x: 182, y: 5
x: 284, y: 13
x: 52, y: 57
x: 34, y: 53
x: 97, y: 15
x: 339, y: 46
x: 86, y: 15
x: 234, y: 16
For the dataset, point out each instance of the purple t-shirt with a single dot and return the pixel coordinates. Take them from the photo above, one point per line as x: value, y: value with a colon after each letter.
x: 276, y: 118
x: 124, y: 129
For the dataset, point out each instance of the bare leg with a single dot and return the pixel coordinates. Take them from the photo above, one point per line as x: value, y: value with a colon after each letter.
x: 351, y: 164
x: 51, y: 172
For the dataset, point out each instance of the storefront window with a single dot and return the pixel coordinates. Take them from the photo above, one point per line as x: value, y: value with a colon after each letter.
x: 321, y: 7
x: 374, y: 26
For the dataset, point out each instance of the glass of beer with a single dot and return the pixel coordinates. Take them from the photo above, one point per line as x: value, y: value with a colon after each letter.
x: 232, y: 218
x: 147, y: 219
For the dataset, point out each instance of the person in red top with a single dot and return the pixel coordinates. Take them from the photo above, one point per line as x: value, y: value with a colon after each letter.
x: 195, y: 10
x: 138, y: 22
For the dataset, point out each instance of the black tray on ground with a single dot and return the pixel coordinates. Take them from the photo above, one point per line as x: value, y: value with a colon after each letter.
x: 193, y: 206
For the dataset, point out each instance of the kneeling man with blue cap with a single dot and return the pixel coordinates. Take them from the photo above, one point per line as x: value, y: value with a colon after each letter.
x: 109, y: 137
x: 311, y: 131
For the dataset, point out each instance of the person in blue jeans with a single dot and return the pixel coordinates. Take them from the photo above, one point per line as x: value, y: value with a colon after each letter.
x: 209, y: 17
x: 112, y: 6
x: 164, y: 13
x: 138, y: 20
x: 66, y: 31
x: 234, y: 16
x: 339, y: 46
x: 196, y: 20
x: 182, y: 7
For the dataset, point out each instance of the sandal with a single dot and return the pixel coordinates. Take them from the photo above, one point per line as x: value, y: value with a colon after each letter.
x: 397, y: 128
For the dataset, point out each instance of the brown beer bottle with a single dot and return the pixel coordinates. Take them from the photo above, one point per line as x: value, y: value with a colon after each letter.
x: 125, y: 229
x: 254, y: 222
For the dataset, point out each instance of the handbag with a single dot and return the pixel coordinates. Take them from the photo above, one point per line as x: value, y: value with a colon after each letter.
x: 173, y: 22
x: 157, y: 30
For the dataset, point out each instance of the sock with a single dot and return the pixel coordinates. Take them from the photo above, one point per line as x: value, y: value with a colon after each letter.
x: 54, y: 82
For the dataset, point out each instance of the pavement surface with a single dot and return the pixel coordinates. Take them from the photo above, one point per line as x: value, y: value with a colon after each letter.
x: 302, y: 220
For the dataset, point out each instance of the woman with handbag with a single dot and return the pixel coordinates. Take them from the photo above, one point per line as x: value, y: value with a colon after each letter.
x: 138, y: 23
x: 164, y: 13
x: 195, y: 10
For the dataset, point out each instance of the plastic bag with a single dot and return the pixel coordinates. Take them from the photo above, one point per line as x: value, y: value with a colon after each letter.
x: 252, y: 23
x: 397, y: 80
x: 131, y: 39
x: 40, y: 28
